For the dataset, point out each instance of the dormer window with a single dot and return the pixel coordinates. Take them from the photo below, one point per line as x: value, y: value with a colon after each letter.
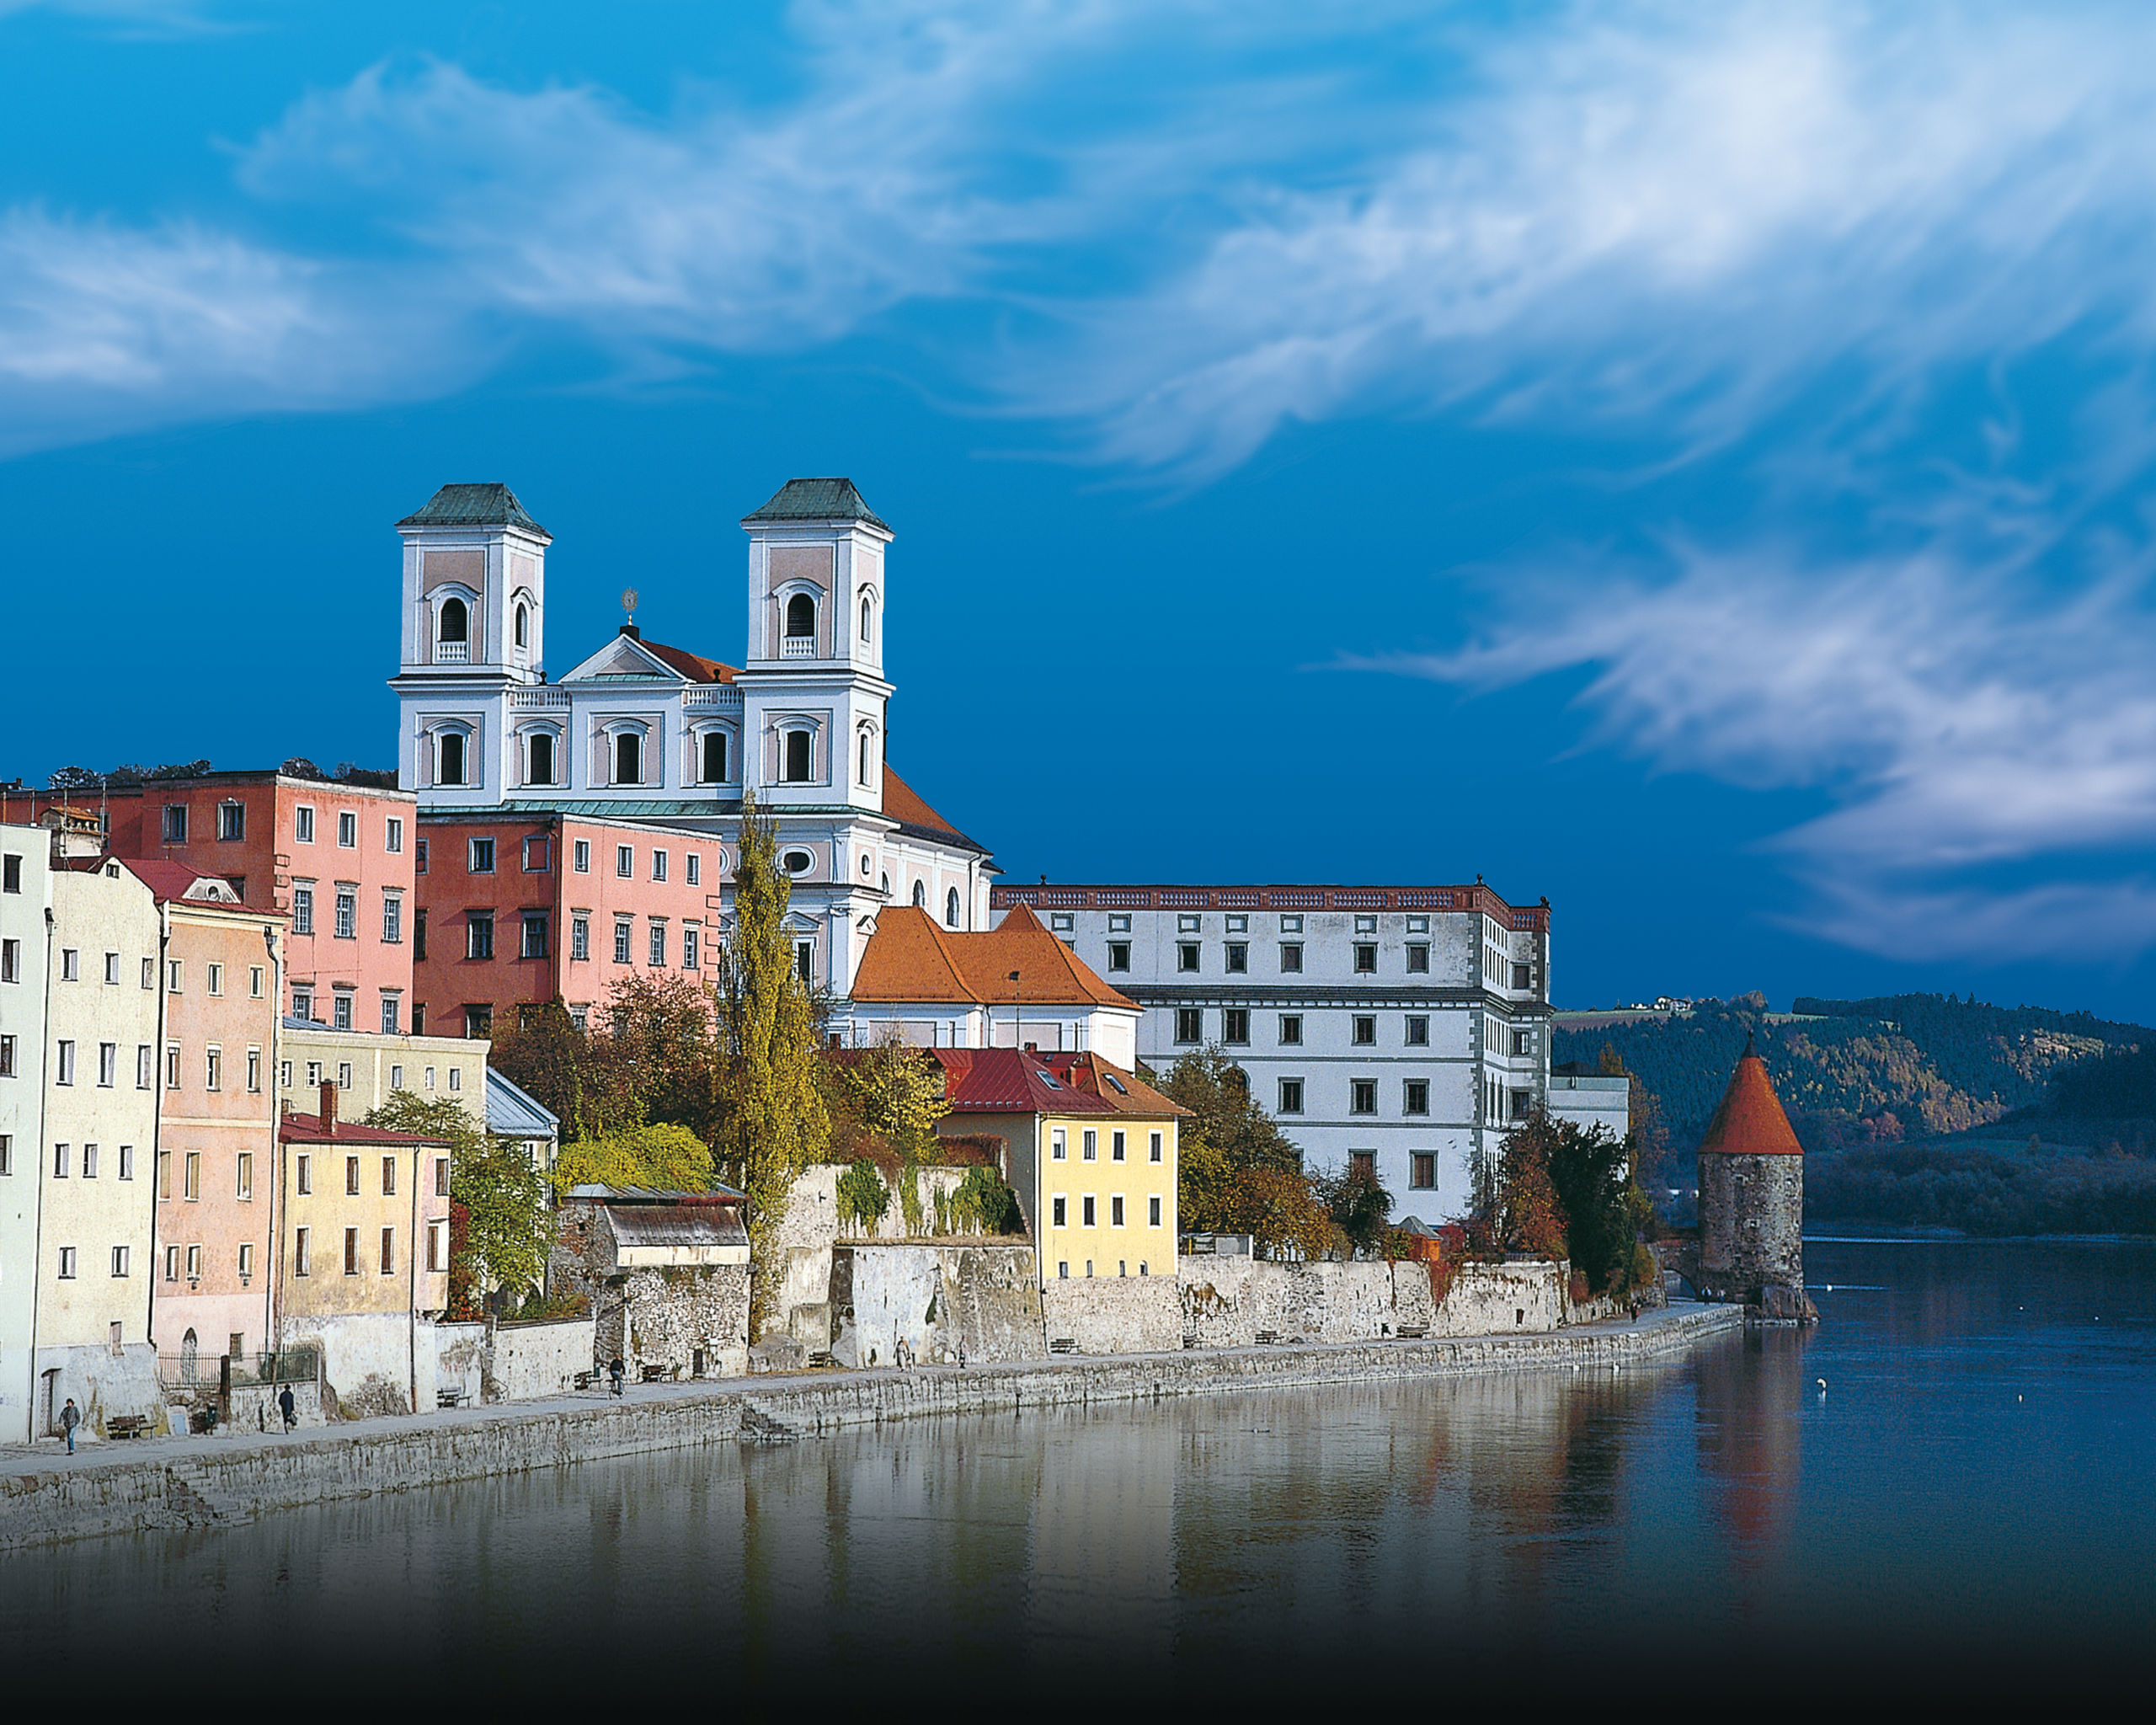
x: 801, y: 618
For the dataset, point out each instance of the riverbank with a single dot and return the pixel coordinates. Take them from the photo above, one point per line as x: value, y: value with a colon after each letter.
x: 47, y: 1496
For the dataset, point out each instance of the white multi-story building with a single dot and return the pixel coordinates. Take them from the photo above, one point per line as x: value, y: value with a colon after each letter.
x: 1405, y: 1026
x: 643, y: 732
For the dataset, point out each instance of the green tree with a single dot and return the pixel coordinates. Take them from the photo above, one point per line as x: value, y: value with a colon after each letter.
x: 665, y: 1157
x: 581, y: 1077
x: 1226, y: 1115
x: 497, y: 1200
x: 661, y: 1032
x: 1359, y: 1207
x: 775, y: 1120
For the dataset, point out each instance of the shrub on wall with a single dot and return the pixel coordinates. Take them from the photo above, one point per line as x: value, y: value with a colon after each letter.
x: 863, y: 1198
x: 983, y: 1201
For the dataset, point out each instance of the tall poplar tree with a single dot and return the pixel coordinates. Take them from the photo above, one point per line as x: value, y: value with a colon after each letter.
x: 776, y: 1123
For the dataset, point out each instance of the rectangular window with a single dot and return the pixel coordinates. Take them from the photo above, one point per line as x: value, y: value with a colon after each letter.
x: 804, y: 961
x: 303, y: 824
x: 580, y: 937
x: 690, y: 957
x: 11, y: 873
x: 149, y: 973
x: 1291, y: 1030
x: 535, y: 934
x: 146, y: 1067
x: 1291, y: 1095
x: 246, y: 1266
x: 303, y: 910
x: 389, y: 1176
x: 171, y: 1264
x: 1523, y: 1042
x: 1423, y: 1170
x: 694, y: 864
x: 191, y: 1177
x: 1190, y: 1025
x: 1115, y: 1210
x: 194, y: 1263
x: 478, y: 934
x: 1364, y: 1032
x: 313, y: 1074
x: 340, y: 1009
x: 71, y: 964
x: 112, y: 970
x: 1060, y: 1212
x: 1522, y: 977
x: 1116, y: 1140
x: 1058, y: 1145
x: 164, y: 1177
x: 1238, y: 960
x: 625, y: 862
x: 478, y: 1022
x: 395, y: 1077
x: 108, y: 1064
x: 175, y: 826
x: 1238, y: 925
x: 348, y: 913
x: 580, y: 856
x: 302, y: 1253
x: 1291, y: 957
x: 1363, y: 1162
x: 1522, y: 1101
x: 244, y: 1176
x: 66, y: 1062
x: 172, y: 1066
x: 1418, y: 1030
x: 303, y: 1174
x: 658, y: 865
x: 1366, y: 960
x: 437, y: 1246
x: 351, y: 1177
x: 1417, y: 1099
x: 624, y: 932
x: 535, y: 857
x: 7, y: 1153
x: 658, y: 944
x: 419, y: 942
x: 390, y: 1017
x: 389, y: 1252
x: 1118, y: 955
x: 175, y: 977
x: 348, y: 830
x: 90, y: 1162
x: 441, y: 1177
x: 254, y: 982
x: 1120, y: 923
x: 392, y: 839
x: 1418, y: 960
x: 480, y: 858
x: 67, y: 1257
x: 254, y: 1070
x: 127, y: 1161
x: 213, y: 1069
x: 1366, y: 925
x: 392, y: 918
x: 1086, y: 1214
x: 1188, y: 925
x: 10, y: 961
x: 1091, y: 1142
x: 351, y: 1252
x: 1363, y: 1096
x: 1152, y: 1212
x: 1187, y: 955
x: 1235, y: 1024
x: 1154, y: 1153
x: 63, y: 1161
x: 419, y: 857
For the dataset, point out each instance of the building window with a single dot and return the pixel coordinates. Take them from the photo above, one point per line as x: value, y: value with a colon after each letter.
x: 395, y: 1077
x: 1423, y: 1170
x: 693, y: 865
x: 449, y: 758
x: 658, y: 865
x: 343, y: 1075
x: 340, y: 1009
x: 1291, y: 957
x: 864, y: 758
x: 951, y: 914
x: 1418, y: 960
x: 419, y: 858
x: 348, y: 830
x: 127, y: 1161
x: 108, y: 1064
x: 580, y: 937
x: 478, y: 1023
x: 797, y: 746
x: 194, y: 1265
x: 1058, y: 1145
x: 1059, y: 1214
x: 1119, y: 954
x: 1115, y: 1209
x: 921, y: 895
x: 351, y: 1252
x: 11, y: 873
x: 389, y: 1018
x: 1238, y: 957
x: 393, y: 836
x: 535, y: 857
x: 535, y: 934
x: 254, y: 1070
x: 1416, y: 1099
x: 175, y: 827
x: 213, y: 1069
x: 71, y: 964
x: 191, y: 1176
x: 149, y: 973
x: 303, y: 824
x: 1091, y: 1141
x: 478, y: 934
x: 1364, y: 1031
x: 1418, y: 1030
x: 89, y: 1162
x: 441, y: 1177
x: 303, y: 910
x: 628, y: 758
x: 10, y: 961
x: 1363, y: 1096
x: 1190, y: 1025
x: 1187, y: 955
x: 690, y: 957
x: 348, y: 913
x: 1153, y: 1153
x: 302, y: 1258
x: 63, y: 1161
x: 804, y: 961
x: 389, y: 1252
x: 437, y: 1246
x: 1522, y: 1101
x: 67, y: 1258
x: 1291, y: 1030
x: 714, y: 757
x: 1366, y: 925
x: 66, y: 1062
x: 1366, y: 959
x: 479, y: 857
x: 1522, y: 977
x: 244, y: 1176
x: 658, y: 944
x: 539, y: 758
x: 1291, y: 1095
x: 351, y: 1177
x: 392, y: 919
x: 1086, y: 1214
x: 389, y: 1176
x: 1523, y: 1042
x: 580, y: 856
x: 172, y: 1066
x: 255, y: 975
x: 1363, y: 1164
x: 146, y: 1067
x: 625, y: 862
x: 624, y: 931
x: 1235, y: 1025
x: 800, y: 618
x: 112, y: 970
x: 418, y: 942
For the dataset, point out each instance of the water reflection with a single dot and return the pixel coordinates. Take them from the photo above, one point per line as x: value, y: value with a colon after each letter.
x: 1969, y: 1502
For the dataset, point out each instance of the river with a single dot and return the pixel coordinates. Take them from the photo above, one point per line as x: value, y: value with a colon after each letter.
x: 1968, y: 1504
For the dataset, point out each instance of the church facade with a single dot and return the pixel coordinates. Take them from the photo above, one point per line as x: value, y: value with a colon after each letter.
x: 654, y: 736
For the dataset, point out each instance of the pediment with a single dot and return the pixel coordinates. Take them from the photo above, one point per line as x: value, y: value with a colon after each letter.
x: 624, y: 657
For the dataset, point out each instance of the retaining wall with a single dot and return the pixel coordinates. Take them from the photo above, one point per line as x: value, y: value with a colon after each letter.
x: 937, y: 1297
x: 224, y: 1481
x: 532, y: 1360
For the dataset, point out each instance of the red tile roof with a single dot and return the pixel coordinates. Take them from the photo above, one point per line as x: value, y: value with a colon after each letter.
x: 1008, y: 1080
x: 170, y: 882
x: 307, y: 1128
x: 1126, y: 1093
x: 910, y: 957
x: 1750, y: 1121
x: 692, y: 666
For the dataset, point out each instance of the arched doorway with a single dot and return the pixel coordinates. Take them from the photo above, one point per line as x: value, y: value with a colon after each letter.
x: 187, y: 1348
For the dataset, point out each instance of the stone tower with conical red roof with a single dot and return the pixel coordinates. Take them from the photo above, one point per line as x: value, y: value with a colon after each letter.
x: 1752, y: 1199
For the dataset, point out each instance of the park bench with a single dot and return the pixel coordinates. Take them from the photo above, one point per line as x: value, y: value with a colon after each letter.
x: 1413, y: 1332
x: 585, y: 1379
x: 820, y: 1357
x: 652, y: 1374
x: 1063, y: 1345
x: 1266, y: 1339
x: 122, y: 1426
x: 448, y: 1398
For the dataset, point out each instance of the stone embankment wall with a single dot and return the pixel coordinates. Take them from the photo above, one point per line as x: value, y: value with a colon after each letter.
x: 230, y: 1481
x: 937, y: 1298
x: 688, y: 1322
x: 532, y: 1360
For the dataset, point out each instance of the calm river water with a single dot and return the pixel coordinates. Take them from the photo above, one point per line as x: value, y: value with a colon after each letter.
x: 1970, y: 1504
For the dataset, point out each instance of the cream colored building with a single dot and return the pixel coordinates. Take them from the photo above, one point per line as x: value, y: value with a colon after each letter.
x: 368, y: 1068
x: 80, y: 1025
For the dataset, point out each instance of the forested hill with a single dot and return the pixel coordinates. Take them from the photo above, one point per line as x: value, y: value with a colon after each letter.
x: 1856, y: 1072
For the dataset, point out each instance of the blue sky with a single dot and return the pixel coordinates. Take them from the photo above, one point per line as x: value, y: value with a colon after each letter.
x: 1691, y: 462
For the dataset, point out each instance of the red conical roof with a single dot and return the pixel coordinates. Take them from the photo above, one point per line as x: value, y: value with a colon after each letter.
x: 1750, y: 1121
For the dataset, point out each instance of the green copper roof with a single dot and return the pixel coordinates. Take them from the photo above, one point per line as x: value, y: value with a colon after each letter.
x: 489, y: 505
x: 818, y: 500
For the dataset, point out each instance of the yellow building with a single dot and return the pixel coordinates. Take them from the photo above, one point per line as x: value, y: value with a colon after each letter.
x: 368, y: 1068
x: 1090, y: 1150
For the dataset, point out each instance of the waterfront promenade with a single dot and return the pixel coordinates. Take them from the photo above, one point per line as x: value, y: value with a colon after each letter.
x: 170, y: 1484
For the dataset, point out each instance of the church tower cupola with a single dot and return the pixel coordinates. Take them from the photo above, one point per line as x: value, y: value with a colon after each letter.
x: 475, y: 587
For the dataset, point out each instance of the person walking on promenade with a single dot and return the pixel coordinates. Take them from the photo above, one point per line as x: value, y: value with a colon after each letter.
x: 616, y: 1372
x: 69, y: 1417
x: 287, y: 1407
x: 962, y: 1354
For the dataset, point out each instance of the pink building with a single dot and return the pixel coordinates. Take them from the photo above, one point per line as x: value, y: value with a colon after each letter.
x: 515, y: 911
x: 335, y: 859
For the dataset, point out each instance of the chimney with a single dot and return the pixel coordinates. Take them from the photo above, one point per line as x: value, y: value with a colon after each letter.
x: 1032, y: 1048
x: 328, y: 1109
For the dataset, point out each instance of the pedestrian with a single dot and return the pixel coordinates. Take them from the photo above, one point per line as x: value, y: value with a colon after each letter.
x: 69, y: 1417
x: 288, y: 1408
x: 616, y: 1371
x: 962, y: 1354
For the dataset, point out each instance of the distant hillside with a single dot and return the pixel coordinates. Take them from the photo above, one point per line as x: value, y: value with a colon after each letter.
x: 1876, y: 1072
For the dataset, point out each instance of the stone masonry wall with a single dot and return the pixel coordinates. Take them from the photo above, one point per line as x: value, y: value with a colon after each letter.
x: 937, y: 1297
x: 1114, y: 1313
x: 1750, y: 1225
x: 538, y: 1360
x: 666, y: 1317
